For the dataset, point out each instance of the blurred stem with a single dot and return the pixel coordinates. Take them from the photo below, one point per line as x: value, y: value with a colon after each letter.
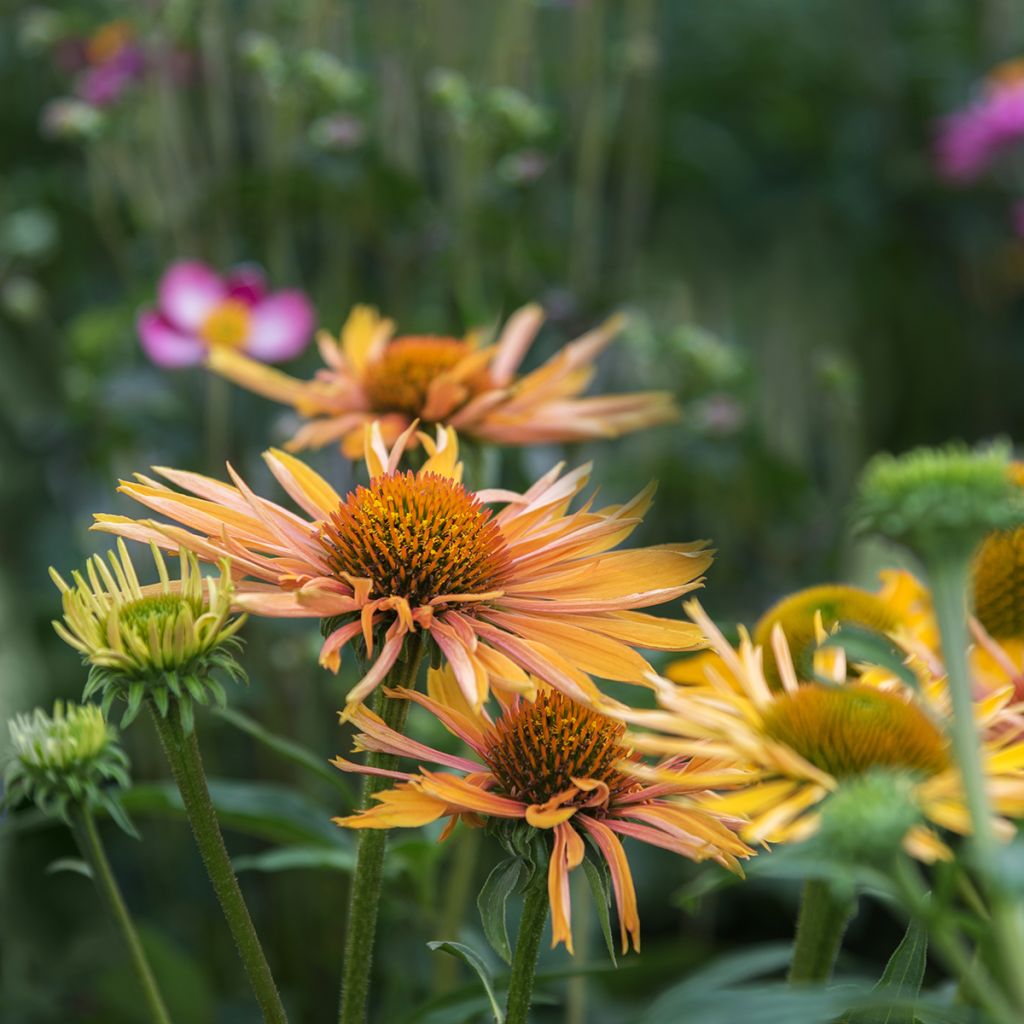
x: 364, y: 898
x: 83, y: 826
x: 524, y: 960
x: 975, y: 980
x: 455, y: 899
x: 949, y: 574
x: 187, y: 765
x: 819, y: 932
x: 218, y: 420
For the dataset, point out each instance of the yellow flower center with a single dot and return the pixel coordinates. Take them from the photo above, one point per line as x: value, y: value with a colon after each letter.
x: 837, y: 605
x: 418, y: 537
x: 160, y: 608
x: 536, y: 750
x: 227, y: 324
x: 851, y: 729
x: 108, y: 41
x: 400, y: 379
x: 999, y: 583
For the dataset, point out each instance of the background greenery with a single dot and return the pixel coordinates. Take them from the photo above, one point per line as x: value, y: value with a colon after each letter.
x: 751, y: 180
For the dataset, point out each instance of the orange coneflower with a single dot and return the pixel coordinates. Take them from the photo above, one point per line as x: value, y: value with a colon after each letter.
x: 533, y: 588
x: 556, y: 766
x: 370, y: 375
x: 802, y: 741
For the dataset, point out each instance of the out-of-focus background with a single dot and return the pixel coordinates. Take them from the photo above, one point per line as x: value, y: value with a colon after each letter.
x: 754, y: 182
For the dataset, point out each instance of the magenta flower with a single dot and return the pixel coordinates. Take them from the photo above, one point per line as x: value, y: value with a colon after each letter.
x: 970, y: 139
x: 197, y: 310
x: 105, y: 82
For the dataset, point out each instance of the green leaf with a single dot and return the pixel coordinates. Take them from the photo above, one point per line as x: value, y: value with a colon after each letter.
x: 901, y: 980
x: 471, y: 957
x: 291, y: 858
x: 865, y: 645
x: 493, y: 902
x: 602, y: 900
x: 75, y: 864
x: 286, y: 748
x: 274, y: 812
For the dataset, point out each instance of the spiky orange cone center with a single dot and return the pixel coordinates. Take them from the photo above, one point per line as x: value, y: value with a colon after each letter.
x: 850, y: 730
x: 999, y: 584
x: 418, y: 537
x: 537, y: 750
x: 400, y: 379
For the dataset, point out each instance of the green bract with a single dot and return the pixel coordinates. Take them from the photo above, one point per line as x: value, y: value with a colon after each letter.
x: 71, y: 756
x: 162, y: 641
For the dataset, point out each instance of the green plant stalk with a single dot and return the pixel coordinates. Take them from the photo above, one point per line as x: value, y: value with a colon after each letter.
x: 364, y: 899
x: 950, y: 577
x: 83, y: 826
x: 187, y: 765
x: 524, y: 960
x: 819, y: 932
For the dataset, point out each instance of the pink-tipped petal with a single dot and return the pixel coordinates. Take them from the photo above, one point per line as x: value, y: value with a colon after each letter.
x: 281, y: 327
x: 188, y: 292
x: 246, y: 282
x: 165, y: 345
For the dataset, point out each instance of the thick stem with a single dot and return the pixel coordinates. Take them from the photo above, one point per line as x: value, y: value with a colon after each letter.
x: 950, y: 577
x: 524, y: 960
x: 364, y: 900
x: 187, y: 765
x: 819, y: 932
x: 88, y: 838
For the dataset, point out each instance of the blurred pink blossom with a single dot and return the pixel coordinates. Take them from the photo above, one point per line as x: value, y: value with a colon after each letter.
x: 198, y: 309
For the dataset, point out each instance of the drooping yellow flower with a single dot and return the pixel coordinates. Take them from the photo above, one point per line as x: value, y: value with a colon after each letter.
x: 800, y: 742
x: 531, y: 588
x: 159, y: 640
x: 551, y: 765
x: 370, y: 375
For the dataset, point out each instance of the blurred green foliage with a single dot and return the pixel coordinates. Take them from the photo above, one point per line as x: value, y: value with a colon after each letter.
x: 751, y: 180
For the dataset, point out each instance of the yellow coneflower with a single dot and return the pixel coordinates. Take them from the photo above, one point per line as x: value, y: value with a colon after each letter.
x: 532, y: 588
x: 160, y: 640
x: 370, y: 375
x: 802, y: 741
x: 551, y: 765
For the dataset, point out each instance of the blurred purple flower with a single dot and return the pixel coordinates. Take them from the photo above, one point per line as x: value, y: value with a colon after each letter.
x: 197, y: 309
x: 103, y: 84
x: 970, y: 139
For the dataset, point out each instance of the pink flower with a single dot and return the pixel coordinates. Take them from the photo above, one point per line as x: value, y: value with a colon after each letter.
x: 104, y: 83
x: 970, y: 139
x: 198, y: 310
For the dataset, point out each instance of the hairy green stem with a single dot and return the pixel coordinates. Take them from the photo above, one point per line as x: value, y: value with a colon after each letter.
x: 524, y: 960
x: 83, y: 825
x: 364, y: 900
x: 187, y: 765
x: 819, y: 932
x: 950, y: 578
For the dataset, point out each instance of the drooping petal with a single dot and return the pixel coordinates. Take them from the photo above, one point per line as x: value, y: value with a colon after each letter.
x: 566, y: 854
x: 281, y: 327
x: 622, y: 880
x: 188, y: 292
x: 165, y: 345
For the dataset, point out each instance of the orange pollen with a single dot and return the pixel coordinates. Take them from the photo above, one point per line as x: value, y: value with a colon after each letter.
x: 417, y: 536
x: 399, y: 381
x: 227, y: 324
x: 849, y: 730
x: 536, y: 750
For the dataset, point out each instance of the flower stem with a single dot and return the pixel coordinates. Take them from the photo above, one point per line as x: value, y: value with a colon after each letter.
x: 524, y: 960
x: 364, y: 899
x: 819, y: 932
x: 187, y: 765
x: 83, y: 825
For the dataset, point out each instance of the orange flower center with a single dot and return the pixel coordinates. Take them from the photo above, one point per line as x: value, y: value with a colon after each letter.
x: 417, y: 536
x: 108, y: 41
x: 999, y: 584
x: 400, y: 379
x: 536, y: 750
x: 837, y: 605
x: 227, y: 324
x: 851, y: 729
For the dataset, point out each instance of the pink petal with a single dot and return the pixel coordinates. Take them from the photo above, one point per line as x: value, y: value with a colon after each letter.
x: 188, y: 291
x: 281, y: 327
x: 165, y: 345
x: 247, y: 283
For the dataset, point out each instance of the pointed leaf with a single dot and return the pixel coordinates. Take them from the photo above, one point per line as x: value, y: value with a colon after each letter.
x: 493, y: 902
x: 602, y: 900
x: 75, y: 864
x: 470, y: 956
x: 901, y: 980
